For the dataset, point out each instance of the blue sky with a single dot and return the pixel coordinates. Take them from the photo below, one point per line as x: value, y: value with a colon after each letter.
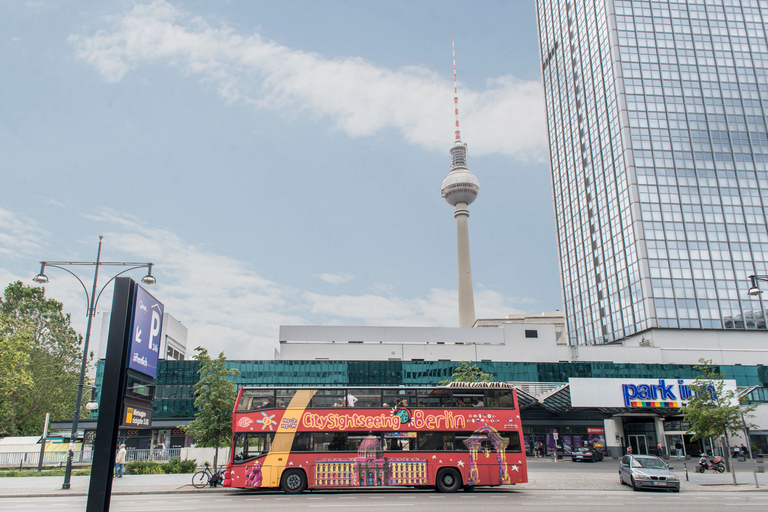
x: 279, y: 162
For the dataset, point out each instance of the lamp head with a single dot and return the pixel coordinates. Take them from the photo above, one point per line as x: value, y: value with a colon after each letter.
x: 754, y: 289
x: 149, y: 279
x: 92, y: 405
x: 41, y: 277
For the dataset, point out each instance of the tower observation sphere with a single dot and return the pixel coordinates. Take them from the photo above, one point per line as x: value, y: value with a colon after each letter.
x: 461, y: 185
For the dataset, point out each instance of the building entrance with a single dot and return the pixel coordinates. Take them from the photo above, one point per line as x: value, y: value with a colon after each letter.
x: 639, y: 444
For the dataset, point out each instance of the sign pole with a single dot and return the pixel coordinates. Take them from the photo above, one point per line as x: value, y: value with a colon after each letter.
x: 112, y: 393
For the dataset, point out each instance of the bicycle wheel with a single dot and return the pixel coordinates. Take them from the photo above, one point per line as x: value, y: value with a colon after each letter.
x: 200, y: 479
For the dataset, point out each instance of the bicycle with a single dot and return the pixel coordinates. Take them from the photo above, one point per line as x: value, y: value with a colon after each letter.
x: 207, y: 477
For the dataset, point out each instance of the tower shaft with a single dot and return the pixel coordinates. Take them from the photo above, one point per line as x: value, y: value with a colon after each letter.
x: 466, y: 294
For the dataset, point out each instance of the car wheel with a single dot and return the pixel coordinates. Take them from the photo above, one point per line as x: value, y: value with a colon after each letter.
x: 676, y: 490
x: 621, y: 479
x: 634, y: 485
x: 294, y: 481
x: 448, y: 480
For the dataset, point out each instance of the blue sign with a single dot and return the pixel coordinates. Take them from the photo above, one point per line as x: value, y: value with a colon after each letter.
x: 659, y: 395
x: 146, y: 332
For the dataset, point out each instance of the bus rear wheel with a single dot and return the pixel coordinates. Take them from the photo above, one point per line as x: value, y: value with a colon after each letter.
x: 448, y: 480
x: 294, y: 481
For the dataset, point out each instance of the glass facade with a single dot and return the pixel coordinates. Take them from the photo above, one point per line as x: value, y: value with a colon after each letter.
x: 174, y: 394
x: 656, y: 114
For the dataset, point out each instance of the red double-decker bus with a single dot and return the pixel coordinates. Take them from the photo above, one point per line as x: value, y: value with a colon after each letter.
x: 452, y: 437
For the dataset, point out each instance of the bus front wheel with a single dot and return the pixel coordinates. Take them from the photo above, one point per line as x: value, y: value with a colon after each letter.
x: 294, y: 481
x: 448, y: 480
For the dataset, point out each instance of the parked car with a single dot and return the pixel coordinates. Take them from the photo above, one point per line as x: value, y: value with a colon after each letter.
x: 647, y: 472
x: 586, y: 454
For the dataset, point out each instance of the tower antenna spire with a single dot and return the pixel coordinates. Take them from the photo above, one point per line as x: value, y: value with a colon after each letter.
x: 455, y: 90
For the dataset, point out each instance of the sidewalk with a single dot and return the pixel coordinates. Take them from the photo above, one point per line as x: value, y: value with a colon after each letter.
x: 541, y: 476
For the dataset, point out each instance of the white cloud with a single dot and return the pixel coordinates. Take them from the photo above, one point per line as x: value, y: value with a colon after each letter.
x: 19, y: 236
x: 226, y: 305
x: 359, y: 97
x: 439, y: 308
x: 341, y: 277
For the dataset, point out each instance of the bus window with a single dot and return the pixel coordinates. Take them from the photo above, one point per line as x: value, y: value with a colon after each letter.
x: 250, y: 445
x: 328, y: 398
x: 424, y: 398
x: 302, y: 442
x: 284, y: 397
x: 399, y: 398
x: 501, y: 398
x: 355, y: 440
x: 431, y: 441
x: 400, y: 441
x: 514, y: 441
x: 366, y: 397
x: 468, y: 398
x: 440, y: 397
x: 253, y: 399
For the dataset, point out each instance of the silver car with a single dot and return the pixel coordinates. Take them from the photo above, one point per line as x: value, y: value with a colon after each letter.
x: 647, y: 472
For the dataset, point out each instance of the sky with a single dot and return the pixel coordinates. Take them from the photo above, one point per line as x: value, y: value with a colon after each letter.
x: 279, y: 162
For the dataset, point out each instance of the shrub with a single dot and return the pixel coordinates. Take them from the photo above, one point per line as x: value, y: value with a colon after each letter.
x: 180, y: 466
x: 144, y: 467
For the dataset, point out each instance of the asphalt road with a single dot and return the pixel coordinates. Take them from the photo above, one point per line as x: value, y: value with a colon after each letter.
x: 395, y: 501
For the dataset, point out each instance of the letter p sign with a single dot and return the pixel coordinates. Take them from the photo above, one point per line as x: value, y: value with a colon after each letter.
x: 154, y: 330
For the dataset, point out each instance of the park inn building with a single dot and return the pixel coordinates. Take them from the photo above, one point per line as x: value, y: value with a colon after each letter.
x: 614, y: 395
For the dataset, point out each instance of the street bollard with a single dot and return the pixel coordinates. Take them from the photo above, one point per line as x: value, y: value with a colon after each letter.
x: 686, y: 471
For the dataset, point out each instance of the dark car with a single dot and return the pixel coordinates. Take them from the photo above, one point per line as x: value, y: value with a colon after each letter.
x: 586, y: 454
x: 647, y: 472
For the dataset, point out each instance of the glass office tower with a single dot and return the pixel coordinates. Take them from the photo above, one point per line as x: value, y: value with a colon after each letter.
x: 656, y: 114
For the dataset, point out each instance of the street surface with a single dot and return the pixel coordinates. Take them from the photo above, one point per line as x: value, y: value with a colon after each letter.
x: 395, y: 501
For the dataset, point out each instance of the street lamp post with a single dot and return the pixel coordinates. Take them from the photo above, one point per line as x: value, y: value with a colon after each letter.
x: 91, y: 300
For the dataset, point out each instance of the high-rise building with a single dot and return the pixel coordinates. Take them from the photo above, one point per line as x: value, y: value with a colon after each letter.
x: 656, y: 115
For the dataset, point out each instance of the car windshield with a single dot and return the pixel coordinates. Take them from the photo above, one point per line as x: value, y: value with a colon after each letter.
x: 650, y: 463
x: 583, y: 450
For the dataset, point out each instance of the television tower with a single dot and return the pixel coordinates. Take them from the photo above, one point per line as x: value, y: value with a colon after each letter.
x: 460, y: 188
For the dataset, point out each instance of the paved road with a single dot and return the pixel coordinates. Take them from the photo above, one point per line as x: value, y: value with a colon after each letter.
x: 427, y: 501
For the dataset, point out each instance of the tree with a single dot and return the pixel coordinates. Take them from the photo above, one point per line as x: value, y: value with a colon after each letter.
x: 40, y: 356
x: 468, y: 372
x: 215, y: 401
x: 714, y: 411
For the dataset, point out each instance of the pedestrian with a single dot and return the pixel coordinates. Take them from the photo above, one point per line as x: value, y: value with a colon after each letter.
x: 660, y: 449
x: 120, y: 462
x: 743, y: 451
x: 629, y: 450
x: 679, y: 449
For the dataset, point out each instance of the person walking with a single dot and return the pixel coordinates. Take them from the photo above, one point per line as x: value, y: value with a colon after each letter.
x: 120, y: 462
x: 678, y: 448
x: 660, y: 449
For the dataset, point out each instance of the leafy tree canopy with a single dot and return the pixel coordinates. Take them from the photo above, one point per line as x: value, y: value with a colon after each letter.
x: 714, y: 410
x: 40, y: 356
x: 215, y: 400
x: 468, y: 372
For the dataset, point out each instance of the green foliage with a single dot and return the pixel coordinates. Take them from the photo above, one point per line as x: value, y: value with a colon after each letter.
x: 714, y: 411
x: 468, y: 372
x: 144, y: 467
x: 215, y: 400
x: 40, y: 356
x: 151, y: 467
x: 180, y: 466
x: 45, y: 472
